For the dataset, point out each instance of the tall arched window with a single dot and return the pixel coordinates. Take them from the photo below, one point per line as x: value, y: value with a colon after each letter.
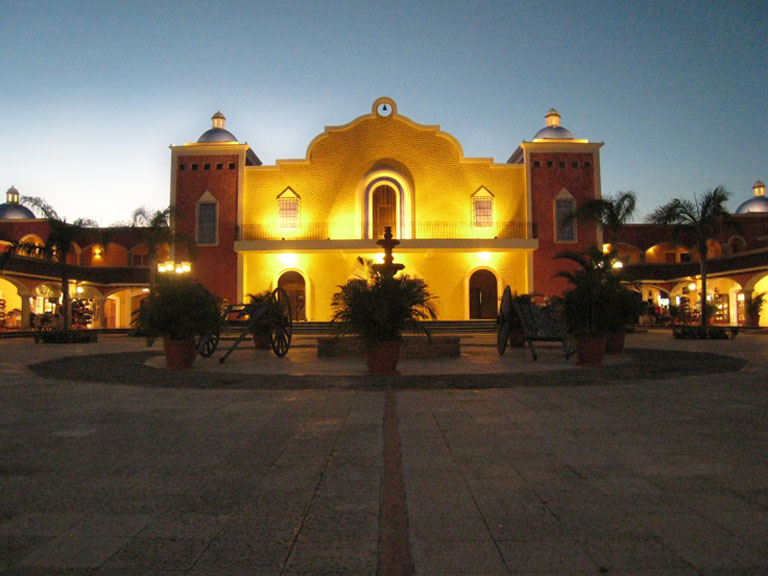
x: 565, y: 223
x: 384, y: 204
x: 387, y: 200
x: 207, y: 228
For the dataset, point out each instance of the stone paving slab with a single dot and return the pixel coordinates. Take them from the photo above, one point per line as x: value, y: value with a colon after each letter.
x: 642, y: 476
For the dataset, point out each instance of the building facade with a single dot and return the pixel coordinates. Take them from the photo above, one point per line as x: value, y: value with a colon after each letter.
x: 467, y: 226
x: 108, y: 279
x: 667, y: 271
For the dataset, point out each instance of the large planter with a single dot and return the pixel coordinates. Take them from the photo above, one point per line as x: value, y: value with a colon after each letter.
x: 179, y: 354
x: 590, y: 350
x: 261, y: 340
x: 382, y: 357
x: 516, y: 339
x: 615, y: 342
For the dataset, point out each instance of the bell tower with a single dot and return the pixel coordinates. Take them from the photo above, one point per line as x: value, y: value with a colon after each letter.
x: 562, y: 172
x: 206, y: 184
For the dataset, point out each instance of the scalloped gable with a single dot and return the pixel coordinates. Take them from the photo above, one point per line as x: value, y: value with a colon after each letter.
x: 390, y: 135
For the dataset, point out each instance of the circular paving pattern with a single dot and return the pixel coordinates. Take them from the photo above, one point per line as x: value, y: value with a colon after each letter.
x: 637, y: 364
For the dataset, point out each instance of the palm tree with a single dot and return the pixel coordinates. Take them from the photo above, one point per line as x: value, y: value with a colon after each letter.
x: 703, y: 219
x: 153, y: 228
x: 611, y: 212
x: 61, y: 239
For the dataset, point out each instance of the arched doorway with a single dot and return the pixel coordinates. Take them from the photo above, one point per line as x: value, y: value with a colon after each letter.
x: 384, y: 210
x: 293, y: 283
x: 483, y: 295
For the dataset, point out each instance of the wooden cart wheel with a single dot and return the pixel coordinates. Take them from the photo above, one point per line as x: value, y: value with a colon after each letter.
x: 207, y: 343
x: 280, y: 322
x: 504, y: 320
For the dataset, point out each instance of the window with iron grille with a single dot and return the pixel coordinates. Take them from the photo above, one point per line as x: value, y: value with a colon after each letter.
x: 483, y: 211
x: 565, y: 224
x: 288, y: 212
x: 207, y: 232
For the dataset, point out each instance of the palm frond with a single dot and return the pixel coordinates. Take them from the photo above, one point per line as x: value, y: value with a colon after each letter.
x: 40, y: 206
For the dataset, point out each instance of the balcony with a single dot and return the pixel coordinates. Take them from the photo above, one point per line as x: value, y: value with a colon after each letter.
x: 434, y: 230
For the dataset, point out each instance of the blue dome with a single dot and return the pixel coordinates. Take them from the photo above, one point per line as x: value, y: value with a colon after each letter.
x: 12, y: 210
x: 553, y: 130
x: 216, y: 135
x: 755, y: 204
x: 553, y: 133
x: 15, y: 212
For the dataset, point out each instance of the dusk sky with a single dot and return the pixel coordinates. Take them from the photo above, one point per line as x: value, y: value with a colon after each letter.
x: 93, y: 93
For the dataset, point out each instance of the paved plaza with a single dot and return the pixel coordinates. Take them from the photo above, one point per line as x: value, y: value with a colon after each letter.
x: 111, y: 465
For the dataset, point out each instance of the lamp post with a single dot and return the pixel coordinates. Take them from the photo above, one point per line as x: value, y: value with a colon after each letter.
x: 175, y: 267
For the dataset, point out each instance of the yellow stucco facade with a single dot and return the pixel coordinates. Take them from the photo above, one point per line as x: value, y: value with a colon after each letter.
x: 315, y: 216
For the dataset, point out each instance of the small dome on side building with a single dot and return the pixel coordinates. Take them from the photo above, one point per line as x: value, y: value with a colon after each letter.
x: 553, y: 130
x: 12, y: 210
x: 758, y: 202
x: 217, y: 134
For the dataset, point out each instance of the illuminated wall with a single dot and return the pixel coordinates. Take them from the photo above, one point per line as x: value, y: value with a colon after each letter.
x: 433, y: 180
x: 313, y: 216
x: 434, y: 187
x: 446, y: 272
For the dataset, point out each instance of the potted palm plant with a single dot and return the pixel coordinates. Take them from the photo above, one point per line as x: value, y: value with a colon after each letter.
x: 591, y: 306
x: 754, y: 306
x: 261, y: 329
x: 627, y: 307
x: 379, y: 308
x: 180, y: 311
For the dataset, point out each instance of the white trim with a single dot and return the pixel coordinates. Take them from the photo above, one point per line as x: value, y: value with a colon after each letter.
x: 403, y: 202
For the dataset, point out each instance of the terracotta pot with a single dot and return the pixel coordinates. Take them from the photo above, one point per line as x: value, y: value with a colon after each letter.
x: 615, y: 342
x: 261, y: 340
x: 590, y: 350
x: 516, y: 339
x: 382, y: 357
x: 179, y: 354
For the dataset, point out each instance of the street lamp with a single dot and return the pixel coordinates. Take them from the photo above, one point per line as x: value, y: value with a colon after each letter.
x: 176, y: 267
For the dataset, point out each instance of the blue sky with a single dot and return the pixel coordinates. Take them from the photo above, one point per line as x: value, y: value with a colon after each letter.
x: 94, y: 92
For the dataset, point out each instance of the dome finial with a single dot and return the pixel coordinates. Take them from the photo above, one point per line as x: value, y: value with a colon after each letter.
x: 758, y: 190
x: 553, y: 117
x: 12, y: 195
x: 218, y: 120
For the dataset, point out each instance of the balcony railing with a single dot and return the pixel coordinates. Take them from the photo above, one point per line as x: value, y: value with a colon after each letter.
x: 420, y: 230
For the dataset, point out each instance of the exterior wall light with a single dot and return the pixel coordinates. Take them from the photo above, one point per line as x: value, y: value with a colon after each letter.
x: 288, y: 258
x: 485, y: 256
